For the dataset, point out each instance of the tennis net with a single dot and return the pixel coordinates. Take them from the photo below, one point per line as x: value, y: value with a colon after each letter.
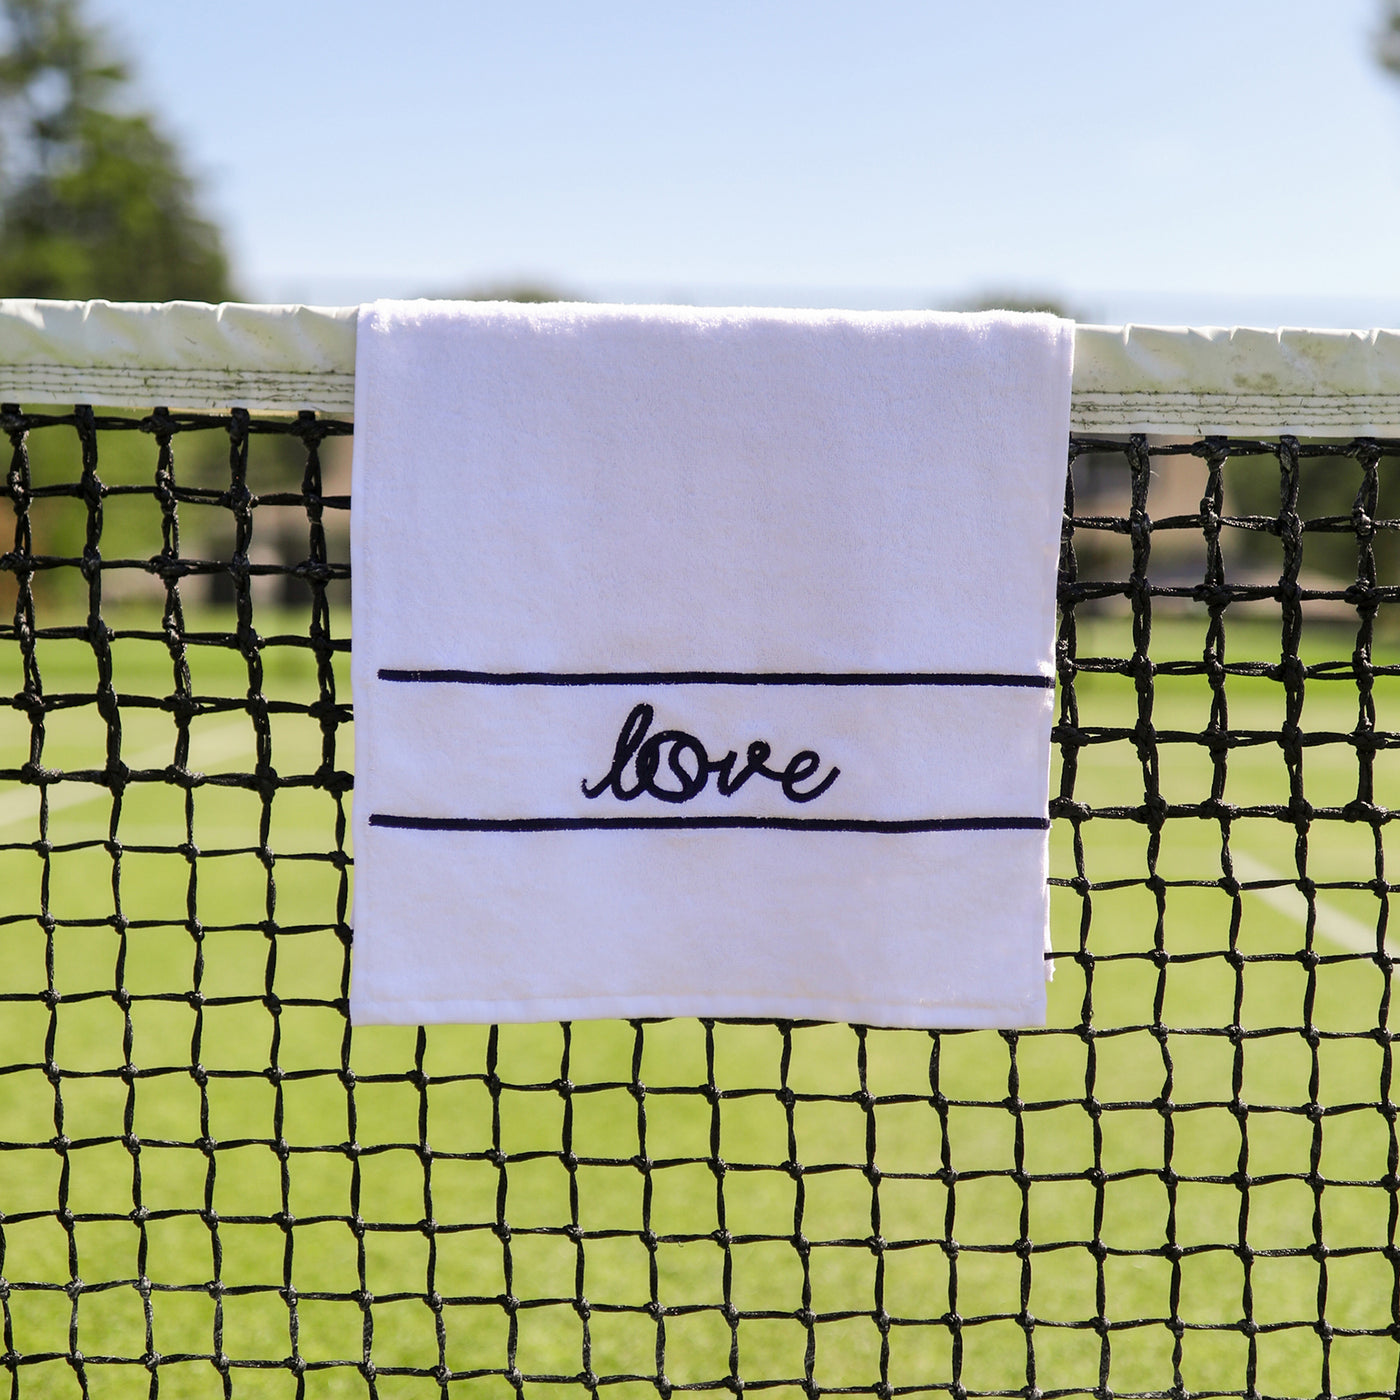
x: 212, y: 1184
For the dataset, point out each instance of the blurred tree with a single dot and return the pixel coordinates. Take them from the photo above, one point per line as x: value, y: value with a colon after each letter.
x: 1388, y: 35
x: 1002, y: 300
x: 526, y: 291
x: 94, y: 198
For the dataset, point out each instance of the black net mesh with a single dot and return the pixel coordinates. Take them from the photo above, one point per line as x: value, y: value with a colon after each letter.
x: 1185, y: 1185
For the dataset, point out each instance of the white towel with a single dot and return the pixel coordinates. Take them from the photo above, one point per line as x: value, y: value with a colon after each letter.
x: 703, y: 662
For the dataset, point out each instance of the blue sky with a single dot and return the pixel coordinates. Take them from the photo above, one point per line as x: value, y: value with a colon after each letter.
x: 1202, y: 160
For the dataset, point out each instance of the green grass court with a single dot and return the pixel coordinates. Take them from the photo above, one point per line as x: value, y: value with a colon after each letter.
x: 980, y: 1138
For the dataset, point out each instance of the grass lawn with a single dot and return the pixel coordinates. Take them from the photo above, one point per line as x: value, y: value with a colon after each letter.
x: 772, y: 1195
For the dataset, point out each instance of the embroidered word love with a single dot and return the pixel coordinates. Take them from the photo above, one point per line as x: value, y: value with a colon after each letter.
x: 690, y: 766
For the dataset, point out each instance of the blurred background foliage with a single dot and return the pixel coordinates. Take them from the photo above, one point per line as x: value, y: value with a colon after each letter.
x: 1388, y: 36
x: 96, y: 201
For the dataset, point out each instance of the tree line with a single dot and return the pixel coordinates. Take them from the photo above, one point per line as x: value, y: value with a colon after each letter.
x: 95, y: 197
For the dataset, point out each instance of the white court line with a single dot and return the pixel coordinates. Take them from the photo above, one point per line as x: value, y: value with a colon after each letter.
x: 212, y: 745
x: 1332, y: 924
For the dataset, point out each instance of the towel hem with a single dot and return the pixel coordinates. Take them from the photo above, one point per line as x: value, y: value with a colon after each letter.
x: 1028, y: 1013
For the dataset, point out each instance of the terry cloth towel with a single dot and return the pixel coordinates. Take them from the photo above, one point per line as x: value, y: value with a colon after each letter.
x: 702, y: 662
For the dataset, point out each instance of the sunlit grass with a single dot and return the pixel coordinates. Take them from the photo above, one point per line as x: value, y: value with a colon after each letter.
x: 742, y: 1197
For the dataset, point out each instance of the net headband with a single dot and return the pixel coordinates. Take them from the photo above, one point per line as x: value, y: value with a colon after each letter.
x: 288, y: 359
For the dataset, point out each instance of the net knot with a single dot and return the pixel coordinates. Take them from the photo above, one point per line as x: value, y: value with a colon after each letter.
x: 312, y: 431
x: 33, y: 705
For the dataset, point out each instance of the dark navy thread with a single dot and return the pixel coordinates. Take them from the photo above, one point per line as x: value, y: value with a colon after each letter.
x: 856, y: 678
x: 709, y: 823
x: 636, y: 748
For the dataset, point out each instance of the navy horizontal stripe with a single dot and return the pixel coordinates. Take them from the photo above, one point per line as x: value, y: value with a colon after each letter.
x: 707, y: 823
x: 872, y: 678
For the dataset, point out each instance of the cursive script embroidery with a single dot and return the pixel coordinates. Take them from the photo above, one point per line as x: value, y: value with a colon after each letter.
x: 690, y: 765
